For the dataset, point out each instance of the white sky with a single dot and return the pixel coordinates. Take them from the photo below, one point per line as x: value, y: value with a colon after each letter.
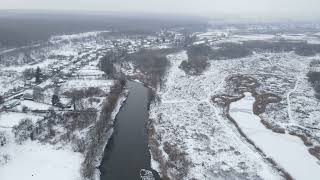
x: 269, y: 8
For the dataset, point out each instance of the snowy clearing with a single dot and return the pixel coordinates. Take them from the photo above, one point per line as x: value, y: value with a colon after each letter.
x: 287, y: 150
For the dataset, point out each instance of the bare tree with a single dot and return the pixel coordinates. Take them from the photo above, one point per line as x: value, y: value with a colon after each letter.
x: 1, y: 99
x: 38, y: 75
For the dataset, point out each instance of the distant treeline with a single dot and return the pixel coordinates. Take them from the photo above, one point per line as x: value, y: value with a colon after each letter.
x: 300, y: 48
x: 199, y: 55
x: 22, y: 28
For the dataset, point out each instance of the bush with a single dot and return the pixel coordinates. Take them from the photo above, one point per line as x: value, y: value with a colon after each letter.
x: 79, y: 145
x: 79, y: 120
x: 55, y: 100
x: 25, y: 109
x: 3, y: 139
x: 28, y: 73
x: 96, y: 135
x: 4, y: 159
x: 23, y: 130
x: 177, y: 160
x: 1, y: 99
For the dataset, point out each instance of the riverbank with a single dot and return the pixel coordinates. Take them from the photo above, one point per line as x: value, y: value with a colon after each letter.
x: 129, y: 141
x: 99, y: 134
x: 109, y: 132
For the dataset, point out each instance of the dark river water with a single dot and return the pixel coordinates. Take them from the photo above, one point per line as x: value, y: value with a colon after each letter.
x: 127, y: 151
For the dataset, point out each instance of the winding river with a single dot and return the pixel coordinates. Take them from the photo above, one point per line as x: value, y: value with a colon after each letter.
x: 287, y: 150
x: 127, y: 151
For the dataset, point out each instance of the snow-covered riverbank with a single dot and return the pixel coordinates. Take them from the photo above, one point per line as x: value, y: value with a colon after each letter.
x: 287, y: 150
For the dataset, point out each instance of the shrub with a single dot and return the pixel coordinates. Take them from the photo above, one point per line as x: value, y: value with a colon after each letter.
x: 23, y: 130
x: 177, y: 160
x: 96, y: 135
x: 1, y: 99
x: 25, y: 109
x: 79, y: 145
x: 3, y: 139
x: 28, y: 73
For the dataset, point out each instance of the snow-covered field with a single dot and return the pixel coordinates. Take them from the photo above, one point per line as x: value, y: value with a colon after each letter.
x: 287, y: 150
x: 186, y: 118
x: 36, y: 161
x: 186, y: 122
x: 32, y: 159
x: 193, y: 137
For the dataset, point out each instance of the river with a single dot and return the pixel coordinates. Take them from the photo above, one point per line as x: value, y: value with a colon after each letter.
x: 127, y: 151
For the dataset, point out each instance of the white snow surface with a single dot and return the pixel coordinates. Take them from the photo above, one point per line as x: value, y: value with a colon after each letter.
x: 287, y: 150
x: 35, y: 161
x: 186, y: 118
x: 85, y: 83
x: 11, y: 119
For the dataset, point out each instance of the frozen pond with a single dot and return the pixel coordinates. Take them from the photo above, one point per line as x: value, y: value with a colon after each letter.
x: 287, y: 150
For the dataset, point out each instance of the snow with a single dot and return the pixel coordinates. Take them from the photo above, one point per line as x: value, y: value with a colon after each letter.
x: 32, y: 105
x: 288, y: 151
x: 185, y: 117
x: 90, y: 70
x: 83, y: 83
x: 42, y: 65
x: 11, y: 119
x: 35, y: 161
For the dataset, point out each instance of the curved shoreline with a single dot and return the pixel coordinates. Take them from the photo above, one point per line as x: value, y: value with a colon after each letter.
x: 292, y: 151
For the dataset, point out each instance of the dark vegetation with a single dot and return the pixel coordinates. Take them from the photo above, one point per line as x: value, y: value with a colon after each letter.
x: 109, y: 59
x: 314, y: 78
x: 177, y: 159
x: 76, y: 95
x: 23, y: 130
x: 152, y: 63
x: 45, y: 130
x: 3, y: 138
x: 97, y: 134
x: 200, y: 54
x: 55, y: 100
x: 230, y: 51
x: 315, y: 151
x: 198, y: 57
x: 28, y: 73
x: 1, y: 99
x: 300, y: 48
x: 38, y: 75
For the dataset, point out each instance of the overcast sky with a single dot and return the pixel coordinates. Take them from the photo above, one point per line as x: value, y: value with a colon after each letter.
x: 261, y: 8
